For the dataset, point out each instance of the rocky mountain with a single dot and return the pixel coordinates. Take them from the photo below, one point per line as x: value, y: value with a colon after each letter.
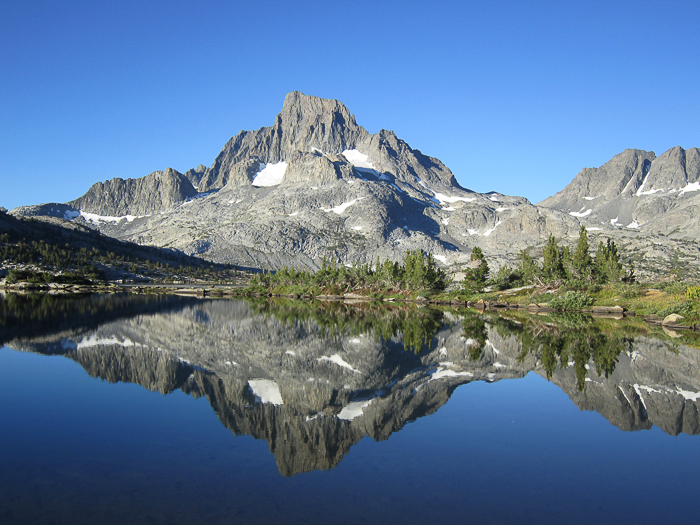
x: 312, y: 390
x: 316, y: 184
x: 154, y: 193
x: 638, y: 190
x: 313, y: 184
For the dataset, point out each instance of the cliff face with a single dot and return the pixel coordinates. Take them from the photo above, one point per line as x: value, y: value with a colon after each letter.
x: 637, y: 190
x: 154, y: 193
x: 316, y: 184
x: 312, y: 390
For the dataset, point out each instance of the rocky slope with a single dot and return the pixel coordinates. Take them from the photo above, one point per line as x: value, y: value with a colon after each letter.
x: 154, y: 193
x: 312, y: 392
x: 313, y: 184
x: 637, y: 190
x: 316, y: 184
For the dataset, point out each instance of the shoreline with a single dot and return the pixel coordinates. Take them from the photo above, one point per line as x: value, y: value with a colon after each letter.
x: 227, y: 291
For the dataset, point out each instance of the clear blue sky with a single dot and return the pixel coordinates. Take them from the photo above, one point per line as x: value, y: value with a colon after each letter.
x: 513, y: 96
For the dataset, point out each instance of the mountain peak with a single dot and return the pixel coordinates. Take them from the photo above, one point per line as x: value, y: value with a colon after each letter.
x: 307, y: 122
x: 297, y: 102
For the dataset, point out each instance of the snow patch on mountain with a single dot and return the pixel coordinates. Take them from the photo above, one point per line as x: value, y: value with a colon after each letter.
x: 693, y: 186
x: 270, y: 174
x: 342, y: 207
x: 581, y: 213
x: 357, y: 159
x: 444, y: 199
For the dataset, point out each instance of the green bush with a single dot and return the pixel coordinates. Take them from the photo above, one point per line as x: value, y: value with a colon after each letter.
x: 583, y: 286
x: 673, y: 287
x: 506, y: 278
x: 570, y: 301
x: 630, y: 291
x: 685, y: 309
x: 692, y: 292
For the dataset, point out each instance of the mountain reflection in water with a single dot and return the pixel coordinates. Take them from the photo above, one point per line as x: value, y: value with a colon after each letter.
x: 312, y: 380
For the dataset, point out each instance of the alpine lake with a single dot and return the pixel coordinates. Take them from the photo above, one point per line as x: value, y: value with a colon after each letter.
x: 163, y: 409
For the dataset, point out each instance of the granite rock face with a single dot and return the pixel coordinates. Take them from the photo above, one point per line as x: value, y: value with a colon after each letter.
x: 316, y: 184
x: 159, y: 191
x: 638, y: 191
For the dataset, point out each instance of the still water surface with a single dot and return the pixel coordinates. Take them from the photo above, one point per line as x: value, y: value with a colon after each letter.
x: 175, y: 410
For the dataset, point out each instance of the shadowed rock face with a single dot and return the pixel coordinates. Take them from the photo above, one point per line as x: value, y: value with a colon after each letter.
x: 289, y: 375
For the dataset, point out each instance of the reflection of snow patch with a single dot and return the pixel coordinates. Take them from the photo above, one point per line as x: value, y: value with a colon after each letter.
x: 94, y: 341
x: 441, y: 372
x: 636, y: 388
x: 265, y: 391
x: 335, y: 358
x: 625, y: 394
x: 690, y: 396
x: 354, y: 409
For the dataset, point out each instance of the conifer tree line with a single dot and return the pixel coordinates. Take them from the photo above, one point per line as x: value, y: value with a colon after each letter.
x: 88, y: 261
x: 560, y: 265
x: 418, y: 272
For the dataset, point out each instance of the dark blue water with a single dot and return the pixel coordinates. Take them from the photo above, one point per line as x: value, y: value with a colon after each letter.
x: 78, y: 449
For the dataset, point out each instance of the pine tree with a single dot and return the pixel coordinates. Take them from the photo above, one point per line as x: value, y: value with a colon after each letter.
x: 582, y: 261
x: 475, y: 278
x: 552, y: 267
